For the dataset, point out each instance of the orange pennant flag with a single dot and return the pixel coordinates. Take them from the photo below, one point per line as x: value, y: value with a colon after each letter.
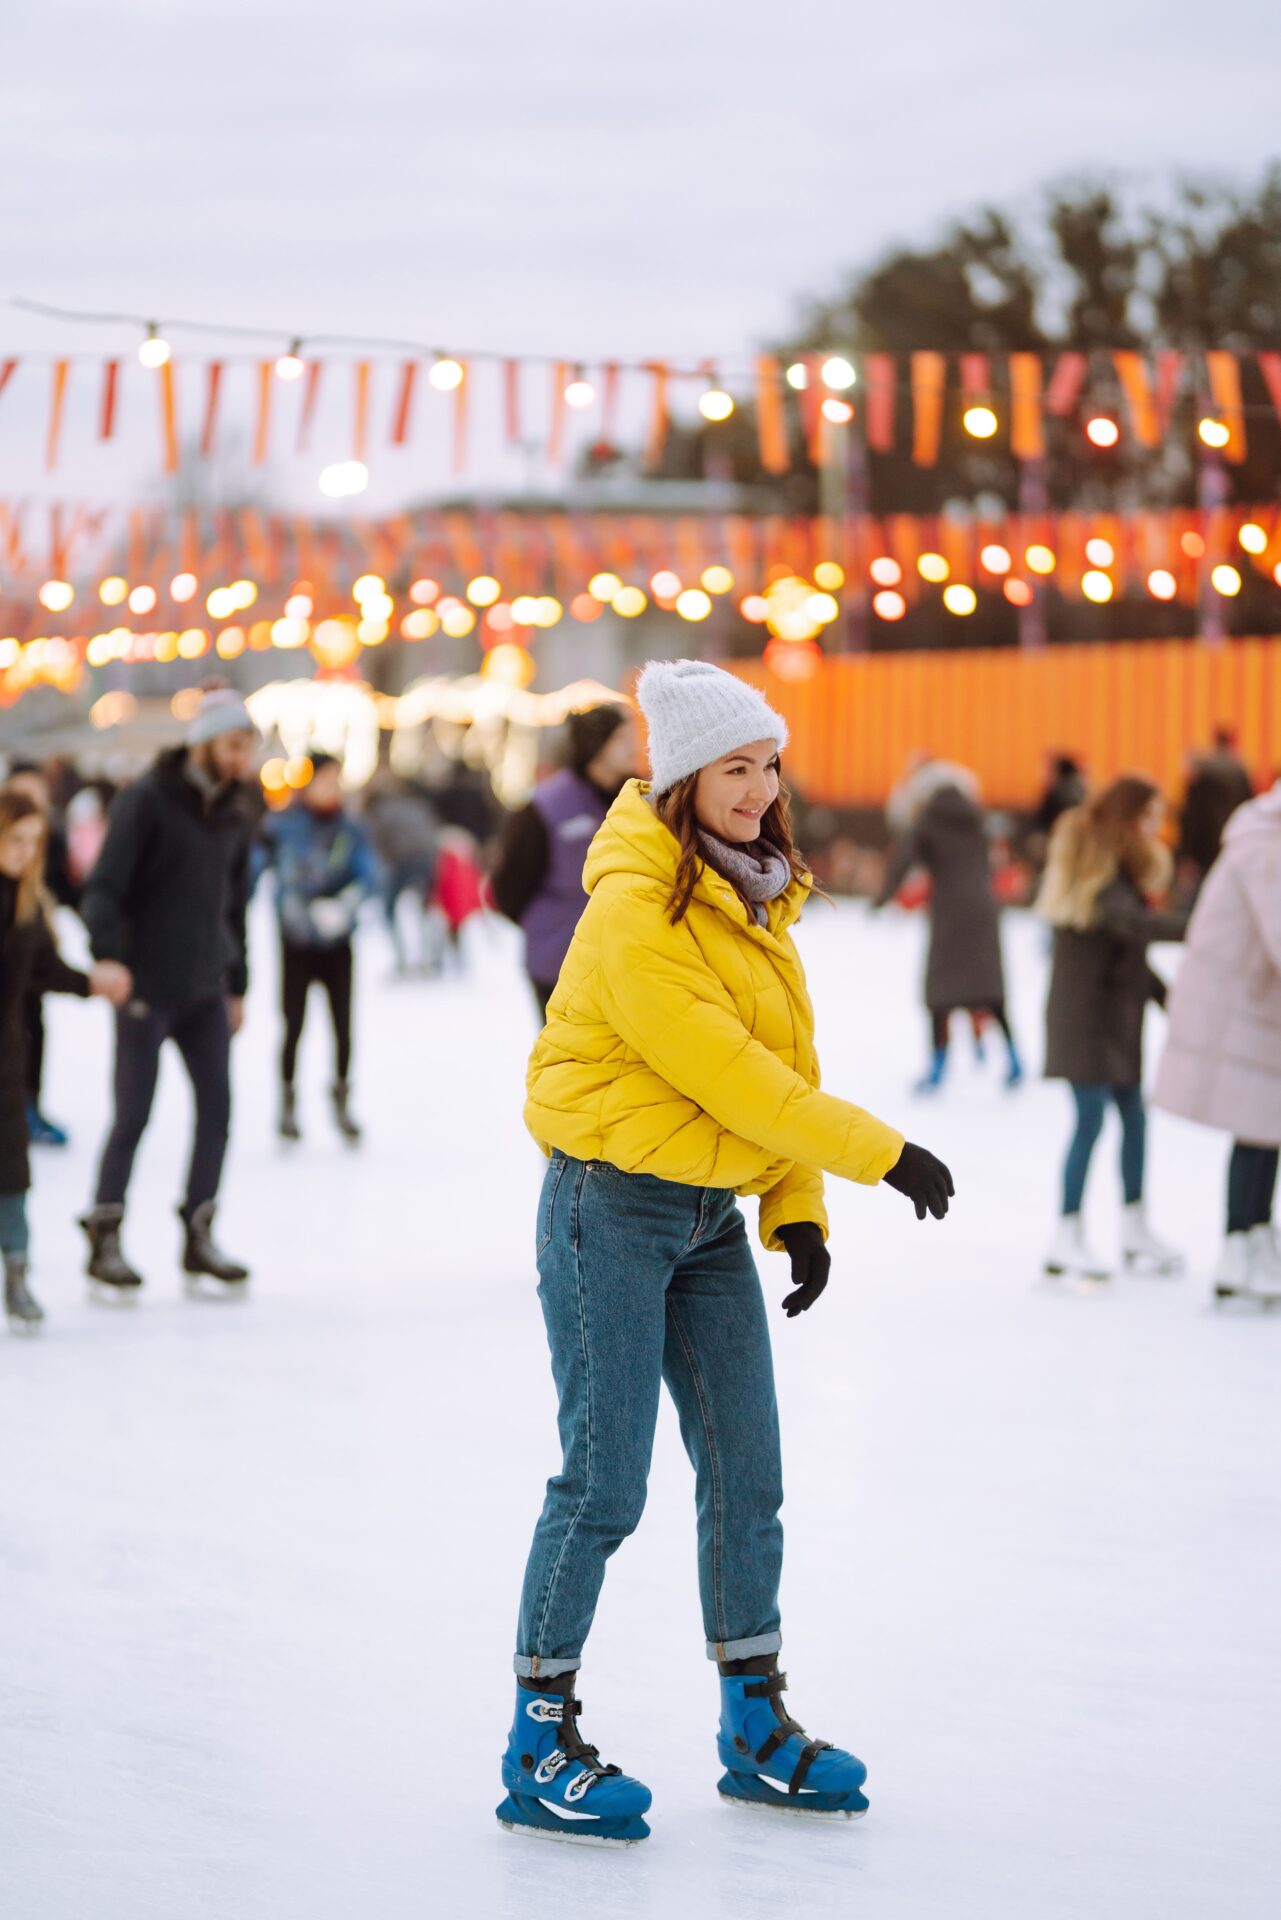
x: 169, y: 416
x: 110, y: 388
x: 1136, y: 384
x: 7, y: 370
x: 1224, y: 370
x: 929, y: 373
x: 57, y: 400
x: 310, y: 393
x: 262, y: 428
x: 213, y: 393
x: 556, y: 432
x: 511, y: 401
x: 460, y: 417
x: 404, y: 403
x: 657, y: 437
x: 879, y: 371
x: 360, y: 426
x: 1027, y: 424
x: 771, y: 416
x: 1269, y: 367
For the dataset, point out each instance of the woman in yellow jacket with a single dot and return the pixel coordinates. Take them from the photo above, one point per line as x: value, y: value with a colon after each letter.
x: 676, y: 1070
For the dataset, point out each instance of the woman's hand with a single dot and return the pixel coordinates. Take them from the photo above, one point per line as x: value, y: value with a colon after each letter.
x: 925, y: 1180
x: 811, y: 1264
x: 110, y: 980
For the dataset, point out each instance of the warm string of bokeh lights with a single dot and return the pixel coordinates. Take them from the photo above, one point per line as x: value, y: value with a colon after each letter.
x: 794, y: 598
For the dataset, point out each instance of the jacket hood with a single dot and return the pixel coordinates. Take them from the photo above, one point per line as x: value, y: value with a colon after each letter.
x: 1256, y: 816
x: 633, y: 841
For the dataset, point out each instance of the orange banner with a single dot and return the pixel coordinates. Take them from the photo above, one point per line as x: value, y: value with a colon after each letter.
x: 110, y: 385
x: 771, y: 416
x: 262, y: 428
x: 307, y: 411
x: 360, y: 422
x: 169, y: 415
x: 404, y: 403
x: 929, y: 374
x: 57, y: 401
x: 1027, y: 423
x: 462, y: 395
x: 1136, y: 385
x: 656, y: 439
x: 213, y: 393
x: 1224, y: 370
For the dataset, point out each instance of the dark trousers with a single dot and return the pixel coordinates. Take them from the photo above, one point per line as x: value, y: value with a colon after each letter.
x: 332, y: 967
x: 1252, y: 1186
x: 1091, y: 1106
x: 543, y: 991
x: 203, y: 1038
x: 33, y: 1020
x: 941, y: 1019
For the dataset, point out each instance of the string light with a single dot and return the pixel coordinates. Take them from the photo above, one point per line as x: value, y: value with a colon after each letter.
x: 423, y: 592
x: 888, y: 605
x: 754, y: 607
x: 665, y: 585
x: 829, y: 575
x: 717, y: 579
x: 716, y: 404
x: 1100, y: 553
x: 113, y: 590
x: 585, y: 606
x: 798, y: 376
x: 344, y: 478
x: 838, y: 373
x: 1226, y: 580
x: 1253, y: 538
x: 693, y: 604
x: 839, y: 412
x: 1213, y: 432
x: 885, y: 571
x: 290, y: 365
x: 1096, y: 586
x: 995, y: 559
x: 960, y: 599
x: 445, y: 374
x: 1162, y: 584
x: 142, y: 600
x: 604, y: 586
x: 1102, y: 431
x: 155, y: 350
x: 1018, y: 593
x: 57, y: 595
x: 980, y: 422
x: 933, y: 567
x: 1040, y: 559
x: 1193, y: 545
x: 183, y: 587
x: 629, y: 601
x: 579, y: 393
x: 483, y: 590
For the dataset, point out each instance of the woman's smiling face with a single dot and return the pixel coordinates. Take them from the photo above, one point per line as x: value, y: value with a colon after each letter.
x: 735, y: 792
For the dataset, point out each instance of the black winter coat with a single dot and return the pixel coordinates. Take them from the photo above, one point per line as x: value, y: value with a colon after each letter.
x: 29, y: 963
x: 1100, y: 984
x: 950, y: 841
x: 168, y: 892
x: 1218, y: 787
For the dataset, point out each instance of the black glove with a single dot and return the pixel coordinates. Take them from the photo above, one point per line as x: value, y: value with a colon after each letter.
x: 925, y: 1180
x: 811, y: 1264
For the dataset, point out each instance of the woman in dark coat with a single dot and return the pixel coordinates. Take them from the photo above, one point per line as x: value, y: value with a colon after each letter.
x: 29, y: 963
x: 946, y: 834
x: 1106, y: 862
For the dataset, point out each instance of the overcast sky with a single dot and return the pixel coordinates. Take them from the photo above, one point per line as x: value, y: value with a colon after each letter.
x: 583, y: 177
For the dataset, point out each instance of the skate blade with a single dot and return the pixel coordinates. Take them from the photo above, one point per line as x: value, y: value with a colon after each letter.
x: 203, y: 1286
x: 791, y: 1812
x: 1147, y: 1268
x: 572, y: 1839
x: 106, y: 1295
x: 1224, y: 1293
x: 620, y: 1830
x: 24, y: 1329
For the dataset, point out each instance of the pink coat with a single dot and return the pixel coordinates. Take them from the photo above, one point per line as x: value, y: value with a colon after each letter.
x: 1222, y: 1059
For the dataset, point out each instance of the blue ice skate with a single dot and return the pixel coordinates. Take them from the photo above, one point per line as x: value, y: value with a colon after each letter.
x: 557, y: 1788
x: 772, y: 1762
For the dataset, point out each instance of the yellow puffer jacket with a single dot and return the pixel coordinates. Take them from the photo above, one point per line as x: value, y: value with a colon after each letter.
x: 688, y: 1051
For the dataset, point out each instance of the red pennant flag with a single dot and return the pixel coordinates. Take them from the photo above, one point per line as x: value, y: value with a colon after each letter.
x: 556, y: 432
x: 1169, y: 376
x: 169, y: 416
x: 213, y: 393
x: 878, y: 369
x: 360, y: 428
x: 929, y: 372
x: 262, y: 428
x: 609, y: 401
x: 404, y: 403
x: 110, y: 387
x: 812, y: 408
x: 307, y: 411
x: 657, y: 437
x: 1270, y: 368
x: 511, y: 401
x: 976, y: 376
x: 1027, y: 426
x: 57, y: 400
x: 1065, y: 383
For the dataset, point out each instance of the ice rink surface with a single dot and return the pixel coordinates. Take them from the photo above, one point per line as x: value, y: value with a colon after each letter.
x: 259, y: 1562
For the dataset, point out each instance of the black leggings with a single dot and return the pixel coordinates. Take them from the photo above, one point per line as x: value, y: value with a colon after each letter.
x: 332, y: 967
x: 941, y: 1017
x: 203, y: 1038
x: 1252, y: 1185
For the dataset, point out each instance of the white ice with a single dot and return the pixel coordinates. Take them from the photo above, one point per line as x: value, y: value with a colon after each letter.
x: 260, y: 1562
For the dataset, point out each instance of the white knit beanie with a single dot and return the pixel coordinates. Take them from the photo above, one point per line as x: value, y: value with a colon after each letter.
x: 697, y: 713
x: 221, y: 711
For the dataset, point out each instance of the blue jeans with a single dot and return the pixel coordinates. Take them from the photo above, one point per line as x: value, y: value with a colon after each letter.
x: 1091, y: 1105
x: 14, y: 1237
x: 641, y: 1281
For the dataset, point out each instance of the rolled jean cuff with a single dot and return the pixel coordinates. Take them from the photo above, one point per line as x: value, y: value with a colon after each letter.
x: 530, y: 1666
x: 744, y: 1649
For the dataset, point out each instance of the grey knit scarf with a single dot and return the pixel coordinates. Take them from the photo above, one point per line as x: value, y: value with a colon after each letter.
x: 758, y: 871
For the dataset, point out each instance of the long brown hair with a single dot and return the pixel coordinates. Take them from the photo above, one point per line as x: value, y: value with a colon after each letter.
x: 1093, y: 843
x: 675, y: 808
x: 15, y: 806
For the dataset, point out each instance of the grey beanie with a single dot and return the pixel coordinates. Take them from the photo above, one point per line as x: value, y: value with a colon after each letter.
x: 697, y: 713
x: 222, y: 710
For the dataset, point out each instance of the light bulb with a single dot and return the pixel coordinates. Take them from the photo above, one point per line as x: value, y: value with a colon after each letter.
x: 716, y: 404
x: 838, y: 373
x: 980, y: 422
x: 446, y: 374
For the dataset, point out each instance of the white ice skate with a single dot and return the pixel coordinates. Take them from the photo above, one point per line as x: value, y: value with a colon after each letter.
x: 1141, y: 1251
x: 1071, y: 1257
x: 1249, y: 1267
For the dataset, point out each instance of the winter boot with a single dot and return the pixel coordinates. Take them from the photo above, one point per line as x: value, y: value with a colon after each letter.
x: 1070, y: 1254
x: 1249, y: 1267
x: 1141, y: 1251
x: 24, y: 1312
x: 557, y: 1788
x: 771, y: 1761
x: 1265, y: 1262
x: 933, y: 1080
x: 107, y: 1264
x: 201, y: 1259
x: 289, y: 1128
x: 42, y: 1132
x: 347, y: 1126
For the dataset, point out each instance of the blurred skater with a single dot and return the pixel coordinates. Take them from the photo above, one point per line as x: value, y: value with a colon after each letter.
x: 167, y: 899
x: 29, y: 964
x: 538, y: 881
x: 942, y: 829
x: 324, y: 870
x: 1217, y: 786
x: 1222, y: 1060
x: 25, y: 776
x: 406, y: 839
x: 1106, y: 863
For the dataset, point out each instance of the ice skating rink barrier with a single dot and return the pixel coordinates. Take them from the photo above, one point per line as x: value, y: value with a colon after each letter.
x: 1119, y: 706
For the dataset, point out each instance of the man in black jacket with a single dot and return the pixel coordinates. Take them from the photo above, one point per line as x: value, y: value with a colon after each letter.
x: 167, y: 899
